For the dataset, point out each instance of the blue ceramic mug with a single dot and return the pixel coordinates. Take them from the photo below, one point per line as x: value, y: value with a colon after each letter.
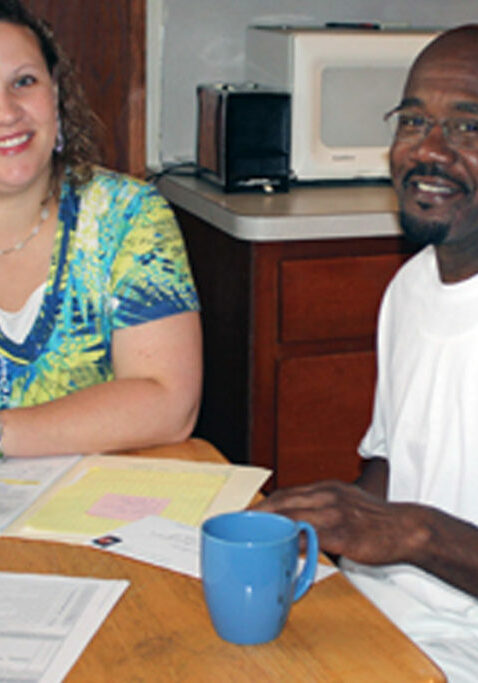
x: 249, y: 568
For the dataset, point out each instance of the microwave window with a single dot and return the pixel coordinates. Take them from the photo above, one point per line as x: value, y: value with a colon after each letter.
x: 354, y: 100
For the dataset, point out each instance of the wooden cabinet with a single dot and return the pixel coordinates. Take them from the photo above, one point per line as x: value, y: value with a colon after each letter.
x: 327, y: 311
x: 289, y: 346
x: 106, y: 40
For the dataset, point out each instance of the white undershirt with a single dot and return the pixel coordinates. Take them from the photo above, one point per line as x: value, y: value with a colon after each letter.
x: 425, y: 424
x: 17, y: 324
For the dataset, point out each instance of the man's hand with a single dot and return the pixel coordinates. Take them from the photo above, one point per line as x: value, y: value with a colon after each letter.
x: 352, y: 522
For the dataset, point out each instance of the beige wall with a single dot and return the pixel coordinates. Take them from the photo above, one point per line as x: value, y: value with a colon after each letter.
x: 204, y: 41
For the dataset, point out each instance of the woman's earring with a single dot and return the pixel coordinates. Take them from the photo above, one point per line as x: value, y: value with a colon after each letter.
x: 60, y: 140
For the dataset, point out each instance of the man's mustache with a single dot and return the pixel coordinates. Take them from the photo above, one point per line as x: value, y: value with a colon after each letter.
x: 433, y: 171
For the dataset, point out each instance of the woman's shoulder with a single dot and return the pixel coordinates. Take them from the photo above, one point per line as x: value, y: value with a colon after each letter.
x: 116, y: 204
x: 111, y: 196
x: 116, y: 184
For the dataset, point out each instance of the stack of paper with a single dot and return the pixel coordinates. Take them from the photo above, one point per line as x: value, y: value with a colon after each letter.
x: 46, y: 622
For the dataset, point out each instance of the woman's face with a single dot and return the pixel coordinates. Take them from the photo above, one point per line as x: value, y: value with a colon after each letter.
x: 28, y: 112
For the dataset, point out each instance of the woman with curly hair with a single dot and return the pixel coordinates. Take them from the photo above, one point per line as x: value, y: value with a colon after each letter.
x: 100, y: 342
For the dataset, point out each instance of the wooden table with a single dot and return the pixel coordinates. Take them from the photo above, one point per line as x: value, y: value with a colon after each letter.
x: 160, y: 629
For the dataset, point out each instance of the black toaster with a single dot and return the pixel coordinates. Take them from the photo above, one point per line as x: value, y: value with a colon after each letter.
x: 243, y: 136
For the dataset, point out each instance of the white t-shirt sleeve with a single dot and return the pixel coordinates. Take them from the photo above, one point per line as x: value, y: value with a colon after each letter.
x: 374, y: 443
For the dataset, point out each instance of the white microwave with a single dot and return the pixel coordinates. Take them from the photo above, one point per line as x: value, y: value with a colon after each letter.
x: 341, y: 82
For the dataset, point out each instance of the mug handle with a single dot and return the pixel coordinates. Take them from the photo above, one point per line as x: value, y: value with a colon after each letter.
x: 307, y: 575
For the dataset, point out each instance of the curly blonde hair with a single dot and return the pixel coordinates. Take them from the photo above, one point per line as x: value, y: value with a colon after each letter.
x: 80, y: 150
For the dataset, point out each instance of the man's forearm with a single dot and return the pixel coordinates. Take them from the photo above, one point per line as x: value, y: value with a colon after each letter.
x: 448, y: 548
x: 442, y: 544
x: 357, y: 524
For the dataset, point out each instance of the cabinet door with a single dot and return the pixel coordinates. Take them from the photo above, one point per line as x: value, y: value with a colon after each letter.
x: 333, y: 298
x: 325, y: 385
x: 324, y: 407
x: 106, y: 40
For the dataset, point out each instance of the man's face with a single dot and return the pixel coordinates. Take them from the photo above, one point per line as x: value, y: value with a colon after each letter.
x: 436, y: 180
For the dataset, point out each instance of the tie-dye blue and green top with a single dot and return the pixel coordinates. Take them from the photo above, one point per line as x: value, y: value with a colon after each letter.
x: 118, y: 260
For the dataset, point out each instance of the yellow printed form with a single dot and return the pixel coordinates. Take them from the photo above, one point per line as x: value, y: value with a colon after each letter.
x: 105, y: 499
x: 101, y: 493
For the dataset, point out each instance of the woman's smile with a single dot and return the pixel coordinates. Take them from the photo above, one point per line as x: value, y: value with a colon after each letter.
x: 28, y: 111
x: 14, y: 144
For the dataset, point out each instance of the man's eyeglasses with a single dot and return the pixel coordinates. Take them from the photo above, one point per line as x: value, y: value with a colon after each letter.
x: 408, y: 125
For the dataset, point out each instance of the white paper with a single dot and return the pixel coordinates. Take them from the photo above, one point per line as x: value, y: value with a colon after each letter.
x: 159, y: 541
x: 322, y: 571
x: 46, y: 621
x: 164, y: 543
x: 23, y: 480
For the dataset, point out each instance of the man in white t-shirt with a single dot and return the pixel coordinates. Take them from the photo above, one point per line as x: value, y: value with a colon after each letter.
x: 407, y: 530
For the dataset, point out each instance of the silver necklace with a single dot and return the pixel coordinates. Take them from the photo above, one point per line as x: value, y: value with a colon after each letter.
x: 4, y: 383
x: 45, y: 212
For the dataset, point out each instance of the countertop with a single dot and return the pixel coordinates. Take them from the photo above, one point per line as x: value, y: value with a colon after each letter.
x: 308, y: 212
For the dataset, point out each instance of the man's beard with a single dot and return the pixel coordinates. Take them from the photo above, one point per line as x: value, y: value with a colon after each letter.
x: 423, y: 232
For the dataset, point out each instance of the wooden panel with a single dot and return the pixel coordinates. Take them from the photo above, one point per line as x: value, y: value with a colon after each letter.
x: 333, y: 298
x: 106, y: 40
x: 264, y: 352
x: 324, y: 407
x: 221, y: 269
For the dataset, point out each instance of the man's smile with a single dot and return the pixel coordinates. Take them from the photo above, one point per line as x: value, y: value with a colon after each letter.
x: 433, y: 187
x: 427, y: 186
